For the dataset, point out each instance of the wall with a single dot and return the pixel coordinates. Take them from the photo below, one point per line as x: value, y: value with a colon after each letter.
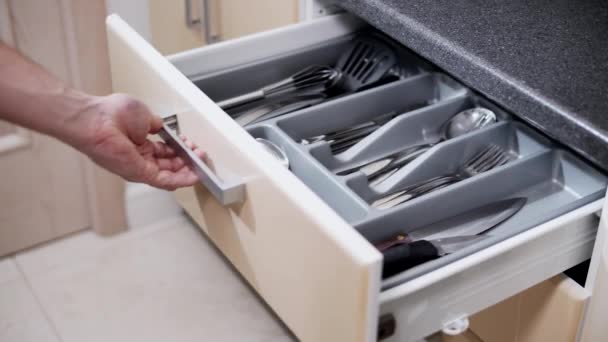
x: 134, y: 12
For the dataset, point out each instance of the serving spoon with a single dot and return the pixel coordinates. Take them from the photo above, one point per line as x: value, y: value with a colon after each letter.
x: 462, y: 123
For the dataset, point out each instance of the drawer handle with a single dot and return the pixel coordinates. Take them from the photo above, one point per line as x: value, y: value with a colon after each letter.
x: 226, y: 192
x: 203, y: 20
x: 190, y: 20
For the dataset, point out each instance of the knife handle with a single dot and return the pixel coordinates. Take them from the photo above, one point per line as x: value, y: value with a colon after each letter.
x: 405, y: 256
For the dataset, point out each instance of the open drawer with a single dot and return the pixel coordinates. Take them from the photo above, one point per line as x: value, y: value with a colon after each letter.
x: 302, y: 239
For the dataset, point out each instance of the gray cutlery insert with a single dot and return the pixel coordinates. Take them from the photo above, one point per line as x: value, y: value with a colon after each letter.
x: 553, y: 179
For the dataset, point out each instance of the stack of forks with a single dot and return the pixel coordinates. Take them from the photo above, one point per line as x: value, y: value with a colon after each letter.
x: 489, y: 158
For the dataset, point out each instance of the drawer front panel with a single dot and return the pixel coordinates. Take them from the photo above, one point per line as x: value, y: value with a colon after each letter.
x: 317, y: 272
x: 313, y: 269
x: 463, y: 288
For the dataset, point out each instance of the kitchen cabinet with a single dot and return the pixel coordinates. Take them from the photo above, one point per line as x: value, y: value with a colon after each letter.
x: 297, y: 250
x: 181, y: 25
x: 550, y: 311
x: 593, y: 326
x: 48, y: 189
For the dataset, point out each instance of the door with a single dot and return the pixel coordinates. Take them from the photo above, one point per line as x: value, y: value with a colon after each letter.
x: 594, y: 327
x: 242, y: 17
x: 42, y: 186
x: 177, y: 26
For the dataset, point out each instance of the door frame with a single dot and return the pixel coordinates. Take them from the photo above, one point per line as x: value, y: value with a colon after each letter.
x: 85, y: 42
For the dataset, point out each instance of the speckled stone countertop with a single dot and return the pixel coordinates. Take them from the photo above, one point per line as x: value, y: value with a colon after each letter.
x: 545, y: 60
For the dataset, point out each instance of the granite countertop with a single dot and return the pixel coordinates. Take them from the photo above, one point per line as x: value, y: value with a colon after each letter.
x: 545, y: 60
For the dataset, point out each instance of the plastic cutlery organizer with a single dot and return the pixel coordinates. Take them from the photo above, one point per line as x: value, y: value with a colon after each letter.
x: 553, y: 180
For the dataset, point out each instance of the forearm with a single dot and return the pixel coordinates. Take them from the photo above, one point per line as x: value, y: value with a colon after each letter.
x: 32, y: 97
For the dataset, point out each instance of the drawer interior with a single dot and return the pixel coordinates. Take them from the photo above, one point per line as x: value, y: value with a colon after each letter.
x: 417, y: 101
x: 233, y: 81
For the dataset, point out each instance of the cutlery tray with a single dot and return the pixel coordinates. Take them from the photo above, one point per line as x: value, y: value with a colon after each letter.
x: 553, y: 179
x: 236, y: 81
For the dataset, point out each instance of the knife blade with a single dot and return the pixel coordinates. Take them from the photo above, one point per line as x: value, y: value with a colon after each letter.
x: 471, y: 222
x: 406, y: 255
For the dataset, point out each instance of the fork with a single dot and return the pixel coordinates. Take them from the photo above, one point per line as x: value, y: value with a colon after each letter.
x: 489, y: 158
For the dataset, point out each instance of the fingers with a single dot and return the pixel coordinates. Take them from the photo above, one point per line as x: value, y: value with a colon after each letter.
x: 170, y: 180
x: 191, y: 145
x: 173, y: 171
x: 162, y: 150
x: 156, y: 123
x: 170, y: 164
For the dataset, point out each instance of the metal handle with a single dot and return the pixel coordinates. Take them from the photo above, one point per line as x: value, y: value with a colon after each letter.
x: 209, y: 36
x: 204, y: 20
x: 190, y: 22
x: 226, y: 192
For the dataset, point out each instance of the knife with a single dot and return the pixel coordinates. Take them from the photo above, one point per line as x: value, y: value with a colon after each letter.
x: 407, y: 255
x: 460, y: 229
x: 471, y: 222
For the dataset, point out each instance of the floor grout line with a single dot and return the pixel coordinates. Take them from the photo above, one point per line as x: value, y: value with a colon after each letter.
x: 46, y: 315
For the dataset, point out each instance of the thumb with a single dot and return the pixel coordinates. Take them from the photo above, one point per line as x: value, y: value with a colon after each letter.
x: 156, y: 123
x: 133, y: 117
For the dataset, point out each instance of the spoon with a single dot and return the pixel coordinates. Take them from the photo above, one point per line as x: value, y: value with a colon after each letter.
x: 462, y: 123
x: 276, y: 151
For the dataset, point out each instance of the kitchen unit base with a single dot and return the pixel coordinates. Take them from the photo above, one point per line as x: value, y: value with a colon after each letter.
x: 309, y: 254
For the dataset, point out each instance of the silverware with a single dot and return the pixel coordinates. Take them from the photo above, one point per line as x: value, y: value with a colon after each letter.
x: 313, y: 79
x: 366, y: 62
x: 470, y: 222
x: 376, y: 123
x: 343, y: 143
x: 464, y: 122
x: 408, y: 255
x: 277, y: 108
x: 446, y: 236
x: 341, y: 140
x: 275, y: 150
x: 489, y: 158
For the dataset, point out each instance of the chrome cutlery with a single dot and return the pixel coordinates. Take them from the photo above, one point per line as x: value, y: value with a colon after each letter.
x: 366, y: 62
x: 449, y: 235
x: 277, y: 108
x: 346, y: 133
x: 275, y: 150
x: 314, y: 79
x: 489, y: 158
x: 462, y: 123
x: 343, y: 139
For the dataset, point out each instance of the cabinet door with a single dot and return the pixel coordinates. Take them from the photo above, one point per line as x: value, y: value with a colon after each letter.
x: 241, y: 17
x: 169, y: 29
x: 42, y: 177
x: 594, y: 326
x: 181, y: 25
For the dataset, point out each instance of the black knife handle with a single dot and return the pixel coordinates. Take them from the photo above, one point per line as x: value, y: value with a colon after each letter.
x: 405, y: 256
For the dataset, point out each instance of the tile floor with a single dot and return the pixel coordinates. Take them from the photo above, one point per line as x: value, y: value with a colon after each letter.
x: 160, y: 281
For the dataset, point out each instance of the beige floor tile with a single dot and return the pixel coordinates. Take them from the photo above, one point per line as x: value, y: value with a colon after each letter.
x: 147, y: 205
x: 81, y: 248
x: 8, y: 270
x: 169, y: 285
x: 21, y: 319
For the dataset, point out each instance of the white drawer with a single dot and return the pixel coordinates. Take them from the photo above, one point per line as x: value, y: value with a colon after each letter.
x: 317, y: 272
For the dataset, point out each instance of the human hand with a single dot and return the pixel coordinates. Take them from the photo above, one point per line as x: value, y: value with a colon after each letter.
x: 116, y: 129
